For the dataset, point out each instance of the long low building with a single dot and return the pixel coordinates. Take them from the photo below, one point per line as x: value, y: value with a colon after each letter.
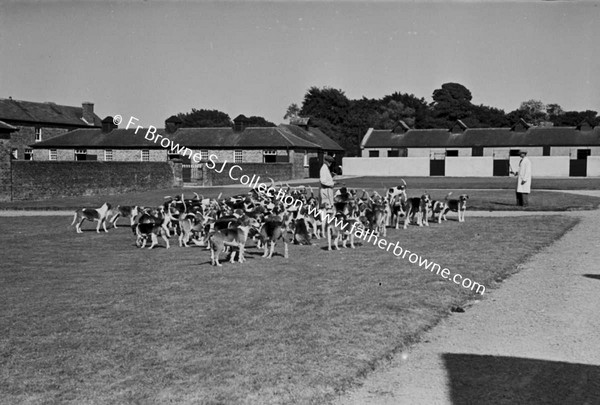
x: 299, y: 144
x: 463, y: 151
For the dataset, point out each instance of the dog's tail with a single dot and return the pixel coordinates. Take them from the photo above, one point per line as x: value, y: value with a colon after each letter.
x: 448, y: 196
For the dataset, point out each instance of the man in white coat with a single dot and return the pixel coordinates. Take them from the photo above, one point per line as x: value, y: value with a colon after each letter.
x: 523, y: 180
x: 327, y: 182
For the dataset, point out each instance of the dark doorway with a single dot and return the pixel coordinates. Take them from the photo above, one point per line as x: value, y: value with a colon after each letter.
x: 501, y: 167
x: 578, y: 167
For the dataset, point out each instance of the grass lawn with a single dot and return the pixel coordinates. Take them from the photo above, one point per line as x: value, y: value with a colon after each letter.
x: 92, y: 319
x: 482, y: 195
x: 562, y: 183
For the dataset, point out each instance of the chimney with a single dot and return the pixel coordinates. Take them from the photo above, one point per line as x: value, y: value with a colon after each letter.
x: 239, y: 123
x: 172, y: 124
x: 108, y: 124
x: 88, y: 112
x: 302, y: 122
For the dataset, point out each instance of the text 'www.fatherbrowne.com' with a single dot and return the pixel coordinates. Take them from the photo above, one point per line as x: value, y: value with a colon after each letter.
x: 369, y: 236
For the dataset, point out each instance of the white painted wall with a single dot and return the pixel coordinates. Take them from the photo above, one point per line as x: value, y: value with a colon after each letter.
x: 593, y: 166
x: 474, y: 166
x: 386, y: 166
x: 545, y: 166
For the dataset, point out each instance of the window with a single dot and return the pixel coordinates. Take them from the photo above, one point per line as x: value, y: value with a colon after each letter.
x: 203, y: 155
x: 269, y: 156
x: 373, y: 153
x: 393, y: 153
x: 477, y: 151
x: 52, y: 155
x: 145, y: 155
x: 80, y: 154
x: 108, y: 155
x: 546, y: 151
x: 237, y: 156
x: 305, y: 161
x: 14, y: 153
x: 582, y: 154
x: 514, y: 152
x: 172, y: 155
x: 451, y: 153
x: 38, y: 134
x: 28, y: 154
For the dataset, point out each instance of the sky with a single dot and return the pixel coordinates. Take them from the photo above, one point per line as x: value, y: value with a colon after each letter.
x: 152, y: 59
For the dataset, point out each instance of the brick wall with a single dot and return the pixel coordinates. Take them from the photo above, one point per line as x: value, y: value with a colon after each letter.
x: 5, y: 177
x: 26, y: 136
x: 43, y: 180
x: 119, y: 155
x: 276, y: 171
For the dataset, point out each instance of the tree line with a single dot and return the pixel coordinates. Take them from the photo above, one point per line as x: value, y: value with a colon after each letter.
x: 346, y: 121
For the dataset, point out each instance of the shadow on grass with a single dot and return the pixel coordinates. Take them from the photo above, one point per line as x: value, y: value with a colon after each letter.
x: 594, y: 276
x: 480, y: 379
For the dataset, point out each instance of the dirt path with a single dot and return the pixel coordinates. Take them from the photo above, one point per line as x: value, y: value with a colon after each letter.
x: 535, y: 340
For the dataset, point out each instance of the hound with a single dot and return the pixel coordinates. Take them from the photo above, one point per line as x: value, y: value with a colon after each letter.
x: 393, y: 195
x: 91, y: 214
x: 190, y: 225
x: 418, y: 206
x: 152, y: 230
x: 459, y: 206
x: 301, y: 234
x: 272, y: 231
x: 439, y: 208
x: 234, y: 237
x: 125, y: 211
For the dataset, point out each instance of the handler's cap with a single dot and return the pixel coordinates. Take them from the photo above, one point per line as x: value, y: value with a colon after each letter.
x: 328, y: 158
x: 523, y: 152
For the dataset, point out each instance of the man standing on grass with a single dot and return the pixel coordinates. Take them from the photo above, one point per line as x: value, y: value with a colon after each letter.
x: 523, y: 180
x: 326, y: 180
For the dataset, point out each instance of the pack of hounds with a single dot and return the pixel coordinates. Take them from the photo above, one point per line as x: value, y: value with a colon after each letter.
x: 228, y: 224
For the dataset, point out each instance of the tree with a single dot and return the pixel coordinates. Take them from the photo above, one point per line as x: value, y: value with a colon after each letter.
x: 452, y: 93
x: 255, y: 121
x: 554, y: 110
x: 327, y: 103
x: 293, y: 111
x: 574, y: 118
x: 204, y: 119
x: 450, y: 103
x: 391, y: 113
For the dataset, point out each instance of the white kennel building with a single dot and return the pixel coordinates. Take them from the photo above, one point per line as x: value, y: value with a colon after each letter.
x: 478, y: 152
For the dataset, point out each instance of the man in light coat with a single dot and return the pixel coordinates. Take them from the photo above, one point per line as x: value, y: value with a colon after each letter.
x: 327, y: 183
x: 523, y: 180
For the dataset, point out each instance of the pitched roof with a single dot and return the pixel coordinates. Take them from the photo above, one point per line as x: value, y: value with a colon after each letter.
x: 47, y: 113
x: 193, y: 138
x: 488, y: 137
x: 316, y: 136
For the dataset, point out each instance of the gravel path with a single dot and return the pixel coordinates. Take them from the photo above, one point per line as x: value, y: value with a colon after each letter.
x: 533, y: 341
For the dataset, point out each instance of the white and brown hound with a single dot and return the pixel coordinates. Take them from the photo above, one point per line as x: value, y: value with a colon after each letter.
x: 459, y: 206
x: 418, y: 206
x: 91, y: 214
x: 125, y: 211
